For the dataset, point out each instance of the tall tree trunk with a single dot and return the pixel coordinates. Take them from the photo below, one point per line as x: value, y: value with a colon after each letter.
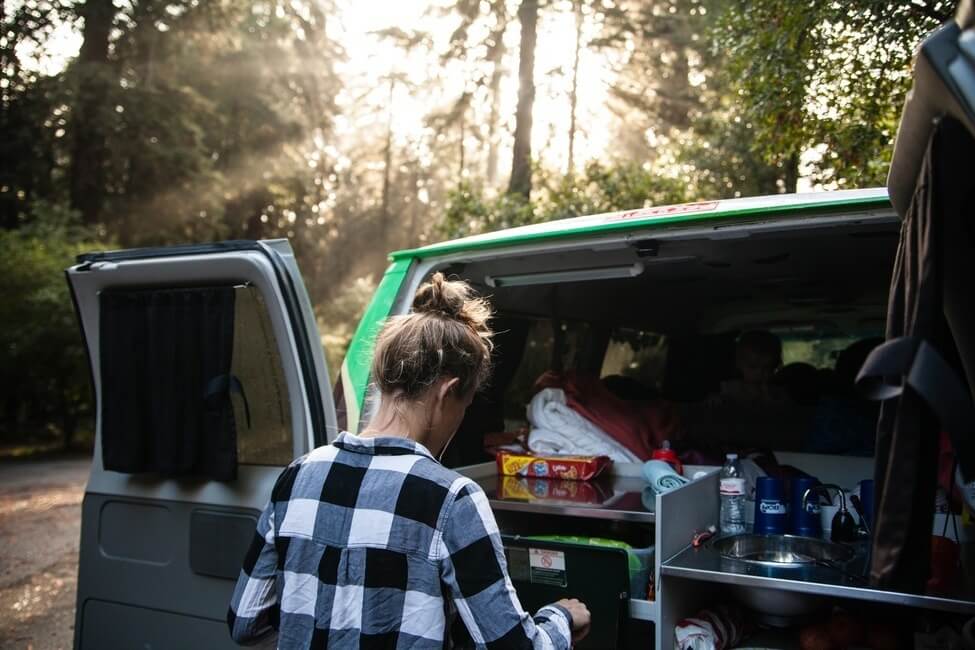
x: 463, y: 134
x: 573, y: 93
x: 491, y: 173
x: 87, y: 175
x: 791, y: 172
x: 521, y: 162
x: 495, y: 55
x: 387, y: 172
x: 414, y: 237
x: 142, y: 180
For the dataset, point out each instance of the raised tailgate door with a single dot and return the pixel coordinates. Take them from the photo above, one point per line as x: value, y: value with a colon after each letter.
x: 209, y: 378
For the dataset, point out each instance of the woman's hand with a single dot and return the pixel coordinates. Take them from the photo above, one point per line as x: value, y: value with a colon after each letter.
x: 581, y: 618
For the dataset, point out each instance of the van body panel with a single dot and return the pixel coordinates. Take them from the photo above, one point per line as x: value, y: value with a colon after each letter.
x: 355, y: 367
x: 733, y: 210
x: 104, y: 628
x: 159, y: 555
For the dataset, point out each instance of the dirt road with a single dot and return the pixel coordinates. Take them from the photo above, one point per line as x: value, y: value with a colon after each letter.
x: 40, y: 520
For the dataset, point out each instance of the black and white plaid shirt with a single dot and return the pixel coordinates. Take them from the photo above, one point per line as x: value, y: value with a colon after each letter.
x: 370, y: 542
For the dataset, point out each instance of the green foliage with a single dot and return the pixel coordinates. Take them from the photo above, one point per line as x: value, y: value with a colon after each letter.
x: 470, y: 211
x: 606, y: 188
x: 830, y: 78
x: 683, y: 116
x: 600, y: 188
x: 717, y: 159
x: 338, y: 319
x: 42, y: 357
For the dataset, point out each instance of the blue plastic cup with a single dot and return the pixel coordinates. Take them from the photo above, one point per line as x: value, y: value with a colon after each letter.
x: 771, y: 509
x: 866, y: 498
x: 804, y: 518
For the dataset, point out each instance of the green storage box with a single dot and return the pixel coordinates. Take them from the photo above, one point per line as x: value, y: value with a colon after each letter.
x: 639, y: 560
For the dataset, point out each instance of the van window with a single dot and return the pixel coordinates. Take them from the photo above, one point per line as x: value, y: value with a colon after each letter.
x: 268, y: 439
x: 545, y: 351
x: 165, y: 364
x: 192, y: 382
x: 636, y: 354
x: 816, y: 348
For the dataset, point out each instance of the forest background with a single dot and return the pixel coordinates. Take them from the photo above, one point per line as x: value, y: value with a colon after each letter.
x: 354, y: 129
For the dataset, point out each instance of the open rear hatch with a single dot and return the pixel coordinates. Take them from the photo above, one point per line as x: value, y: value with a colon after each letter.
x: 209, y: 378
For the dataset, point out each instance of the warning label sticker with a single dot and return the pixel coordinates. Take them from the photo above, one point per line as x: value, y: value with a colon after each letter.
x: 665, y: 211
x: 547, y: 567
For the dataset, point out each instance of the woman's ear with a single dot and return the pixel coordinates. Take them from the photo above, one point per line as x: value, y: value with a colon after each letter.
x: 447, y: 387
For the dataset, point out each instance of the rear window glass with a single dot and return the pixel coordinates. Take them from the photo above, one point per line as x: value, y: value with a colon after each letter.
x: 540, y: 355
x: 191, y: 381
x: 268, y: 440
x: 818, y: 349
x: 636, y: 354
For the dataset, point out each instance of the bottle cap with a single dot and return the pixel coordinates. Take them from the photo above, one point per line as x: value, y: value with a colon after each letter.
x: 731, y: 456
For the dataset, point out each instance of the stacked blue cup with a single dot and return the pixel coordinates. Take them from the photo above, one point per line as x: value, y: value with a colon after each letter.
x: 804, y: 517
x: 771, y: 510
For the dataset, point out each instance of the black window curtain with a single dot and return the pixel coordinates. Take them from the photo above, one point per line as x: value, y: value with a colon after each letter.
x: 165, y: 358
x: 921, y: 369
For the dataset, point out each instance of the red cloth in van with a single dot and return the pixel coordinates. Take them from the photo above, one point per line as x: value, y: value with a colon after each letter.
x: 639, y: 426
x: 946, y: 471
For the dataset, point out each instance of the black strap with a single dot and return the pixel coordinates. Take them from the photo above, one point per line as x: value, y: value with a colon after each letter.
x: 912, y: 361
x: 228, y: 385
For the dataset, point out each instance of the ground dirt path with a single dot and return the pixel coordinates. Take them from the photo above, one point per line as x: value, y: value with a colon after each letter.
x: 40, y: 524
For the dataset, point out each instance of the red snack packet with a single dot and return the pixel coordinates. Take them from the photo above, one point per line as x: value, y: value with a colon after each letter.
x: 579, y: 468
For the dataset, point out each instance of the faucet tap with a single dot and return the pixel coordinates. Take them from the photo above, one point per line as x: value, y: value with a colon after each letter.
x: 861, y: 513
x: 843, y: 526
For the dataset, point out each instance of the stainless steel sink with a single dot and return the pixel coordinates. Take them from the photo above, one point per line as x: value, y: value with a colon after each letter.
x: 782, y: 556
x: 782, y: 550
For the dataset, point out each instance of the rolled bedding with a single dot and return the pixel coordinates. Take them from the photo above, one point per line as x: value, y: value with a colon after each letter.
x: 557, y: 429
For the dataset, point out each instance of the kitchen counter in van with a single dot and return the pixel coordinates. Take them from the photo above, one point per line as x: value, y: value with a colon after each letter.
x: 621, y: 498
x: 705, y: 563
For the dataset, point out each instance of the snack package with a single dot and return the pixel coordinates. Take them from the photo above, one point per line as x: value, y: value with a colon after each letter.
x: 579, y: 468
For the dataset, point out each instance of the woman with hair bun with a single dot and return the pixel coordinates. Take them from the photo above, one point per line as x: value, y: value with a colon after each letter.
x: 370, y: 541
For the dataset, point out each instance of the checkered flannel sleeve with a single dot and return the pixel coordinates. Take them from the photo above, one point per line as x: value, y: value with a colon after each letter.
x: 254, y: 609
x: 475, y: 572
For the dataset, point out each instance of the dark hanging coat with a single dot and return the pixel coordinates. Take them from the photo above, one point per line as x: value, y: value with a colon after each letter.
x: 930, y: 344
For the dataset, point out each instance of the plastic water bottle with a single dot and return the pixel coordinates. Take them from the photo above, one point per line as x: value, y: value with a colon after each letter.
x: 732, y: 491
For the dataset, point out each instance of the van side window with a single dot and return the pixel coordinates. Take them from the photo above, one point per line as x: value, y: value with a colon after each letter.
x: 636, y: 354
x: 814, y: 348
x: 165, y: 364
x: 268, y: 440
x: 192, y: 383
x: 550, y: 345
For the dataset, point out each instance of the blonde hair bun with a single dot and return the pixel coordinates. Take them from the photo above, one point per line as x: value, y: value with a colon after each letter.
x: 447, y: 335
x: 453, y: 299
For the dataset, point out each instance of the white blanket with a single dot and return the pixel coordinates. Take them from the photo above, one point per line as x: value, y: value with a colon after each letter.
x: 557, y: 429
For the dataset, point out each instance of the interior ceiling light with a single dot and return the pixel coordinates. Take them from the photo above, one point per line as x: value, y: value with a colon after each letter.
x: 568, y: 275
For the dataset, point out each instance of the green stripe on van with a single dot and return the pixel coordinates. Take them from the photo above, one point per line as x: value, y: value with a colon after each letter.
x: 658, y: 217
x: 355, y: 367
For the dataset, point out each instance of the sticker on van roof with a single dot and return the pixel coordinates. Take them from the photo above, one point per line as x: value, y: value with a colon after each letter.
x: 664, y: 210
